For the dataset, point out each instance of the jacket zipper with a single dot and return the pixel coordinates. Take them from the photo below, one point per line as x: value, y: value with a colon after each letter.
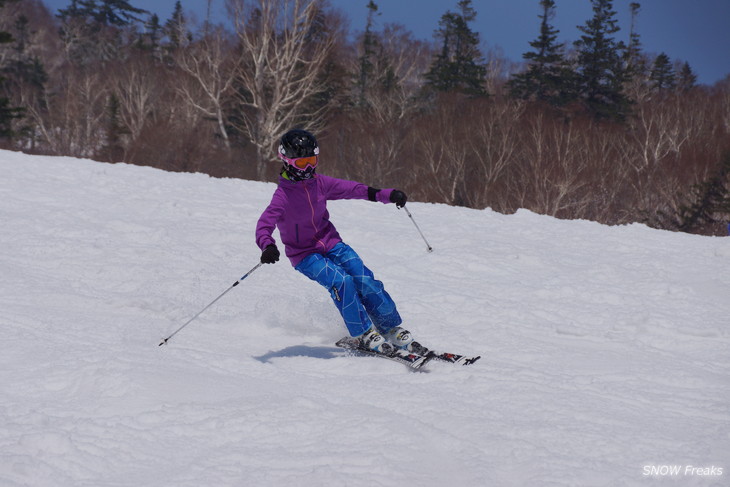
x: 316, y: 230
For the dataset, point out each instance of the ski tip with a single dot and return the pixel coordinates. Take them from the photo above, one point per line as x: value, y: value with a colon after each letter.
x: 423, y: 361
x: 472, y: 360
x: 418, y: 366
x: 164, y: 341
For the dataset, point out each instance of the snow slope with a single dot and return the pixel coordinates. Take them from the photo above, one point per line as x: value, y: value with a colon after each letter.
x: 606, y: 350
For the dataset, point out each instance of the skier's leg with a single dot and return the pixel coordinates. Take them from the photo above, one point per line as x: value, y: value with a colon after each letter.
x: 374, y: 297
x: 342, y: 289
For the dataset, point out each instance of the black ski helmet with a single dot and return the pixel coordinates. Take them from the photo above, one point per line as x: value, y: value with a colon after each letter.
x: 298, y: 143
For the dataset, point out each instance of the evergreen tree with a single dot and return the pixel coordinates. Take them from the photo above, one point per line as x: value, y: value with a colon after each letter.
x: 709, y: 201
x: 21, y: 66
x: 600, y: 69
x: 107, y: 12
x: 332, y: 78
x: 459, y: 66
x: 176, y: 28
x: 112, y: 149
x: 151, y: 38
x: 114, y: 12
x: 91, y: 29
x: 548, y: 77
x: 369, y: 46
x: 662, y: 74
x: 8, y: 113
x: 687, y: 79
x: 25, y: 71
x: 633, y: 62
x: 73, y: 11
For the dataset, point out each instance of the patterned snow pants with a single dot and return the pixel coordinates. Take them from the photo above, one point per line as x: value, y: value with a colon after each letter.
x: 359, y: 297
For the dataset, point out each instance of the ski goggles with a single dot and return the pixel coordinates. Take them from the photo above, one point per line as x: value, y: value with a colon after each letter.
x: 301, y: 162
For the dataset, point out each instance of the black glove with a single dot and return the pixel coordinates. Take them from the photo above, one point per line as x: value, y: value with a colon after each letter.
x: 399, y: 198
x: 270, y: 254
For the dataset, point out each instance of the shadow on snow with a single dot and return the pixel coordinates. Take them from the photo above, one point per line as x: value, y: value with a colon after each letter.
x: 302, y: 351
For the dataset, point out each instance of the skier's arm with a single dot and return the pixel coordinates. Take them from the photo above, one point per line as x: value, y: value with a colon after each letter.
x: 268, y: 219
x: 341, y: 189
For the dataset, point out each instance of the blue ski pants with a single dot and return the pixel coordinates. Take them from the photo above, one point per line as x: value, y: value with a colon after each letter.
x: 360, y: 298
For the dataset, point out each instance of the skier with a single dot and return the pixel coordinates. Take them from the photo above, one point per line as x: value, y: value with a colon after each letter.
x: 312, y: 244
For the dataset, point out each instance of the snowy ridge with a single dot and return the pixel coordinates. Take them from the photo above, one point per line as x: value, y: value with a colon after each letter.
x: 605, y: 350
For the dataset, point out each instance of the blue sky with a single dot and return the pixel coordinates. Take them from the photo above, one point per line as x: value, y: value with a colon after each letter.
x: 695, y: 31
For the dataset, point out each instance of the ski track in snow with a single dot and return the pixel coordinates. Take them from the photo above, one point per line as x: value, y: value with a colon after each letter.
x: 604, y: 349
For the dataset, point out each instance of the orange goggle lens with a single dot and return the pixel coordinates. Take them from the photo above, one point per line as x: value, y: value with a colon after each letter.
x: 301, y: 162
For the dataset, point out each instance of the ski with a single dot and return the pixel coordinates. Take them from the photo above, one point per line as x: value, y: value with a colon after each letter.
x: 455, y: 358
x: 452, y: 358
x: 413, y: 360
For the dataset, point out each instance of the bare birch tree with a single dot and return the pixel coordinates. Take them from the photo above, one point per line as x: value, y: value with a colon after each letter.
x: 284, y: 50
x: 211, y: 66
x: 553, y: 173
x: 495, y: 144
x: 442, y: 159
x: 375, y: 130
x: 137, y: 86
x: 397, y: 69
x: 71, y: 120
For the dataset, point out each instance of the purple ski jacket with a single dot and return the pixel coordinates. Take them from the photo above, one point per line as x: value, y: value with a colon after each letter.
x: 299, y: 210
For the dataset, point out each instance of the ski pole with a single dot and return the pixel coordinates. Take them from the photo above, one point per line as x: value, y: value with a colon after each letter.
x: 428, y: 247
x: 164, y: 341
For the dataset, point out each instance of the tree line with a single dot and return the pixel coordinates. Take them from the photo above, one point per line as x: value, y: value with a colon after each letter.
x: 597, y: 129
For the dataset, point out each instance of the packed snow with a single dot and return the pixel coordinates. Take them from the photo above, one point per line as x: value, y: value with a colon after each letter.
x: 605, y: 350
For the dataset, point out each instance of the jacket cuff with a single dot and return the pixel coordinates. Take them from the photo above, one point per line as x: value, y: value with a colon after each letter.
x: 384, y: 195
x: 373, y: 193
x: 265, y: 242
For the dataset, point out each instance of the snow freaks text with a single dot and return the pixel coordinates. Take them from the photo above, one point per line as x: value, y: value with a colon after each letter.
x: 681, y: 470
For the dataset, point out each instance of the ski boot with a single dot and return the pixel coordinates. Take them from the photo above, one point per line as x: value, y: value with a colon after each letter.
x: 372, y: 340
x: 401, y: 338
